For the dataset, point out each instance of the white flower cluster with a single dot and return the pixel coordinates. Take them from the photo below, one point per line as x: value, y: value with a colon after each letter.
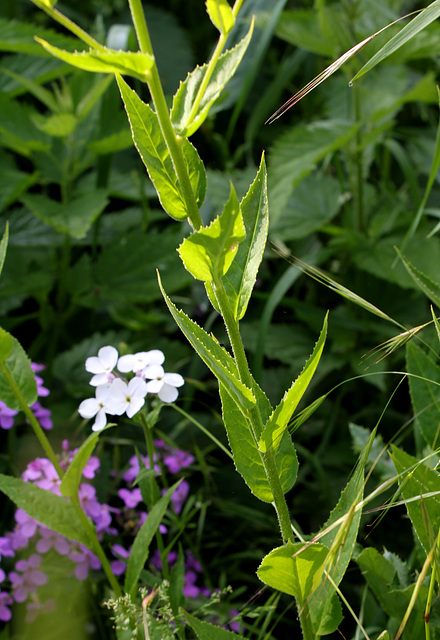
x: 115, y: 395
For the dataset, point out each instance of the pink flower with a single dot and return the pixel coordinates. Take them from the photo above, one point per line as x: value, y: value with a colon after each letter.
x: 28, y: 579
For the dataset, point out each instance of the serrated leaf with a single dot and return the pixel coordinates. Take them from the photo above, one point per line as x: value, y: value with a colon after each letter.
x: 184, y: 99
x: 53, y: 511
x: 208, y: 252
x: 426, y: 284
x: 424, y: 381
x: 247, y: 457
x: 18, y: 366
x: 240, y: 279
x: 6, y: 345
x: 220, y: 14
x: 279, y: 420
x: 141, y: 545
x: 216, y: 358
x: 149, y: 141
x: 417, y: 480
x: 129, y: 63
x: 208, y: 631
x: 73, y: 218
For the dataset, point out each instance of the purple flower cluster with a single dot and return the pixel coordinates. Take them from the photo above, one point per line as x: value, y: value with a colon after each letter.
x: 118, y: 525
x: 42, y: 414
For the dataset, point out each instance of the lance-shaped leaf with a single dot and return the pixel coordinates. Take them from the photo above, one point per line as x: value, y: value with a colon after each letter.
x: 424, y: 388
x: 16, y: 366
x: 73, y: 476
x: 3, y: 247
x: 279, y: 420
x: 209, y: 252
x: 151, y: 145
x: 51, y: 510
x: 213, y: 355
x: 429, y: 287
x: 247, y: 458
x: 141, y: 545
x: 240, y: 279
x: 184, y: 123
x: 220, y: 14
x: 129, y: 63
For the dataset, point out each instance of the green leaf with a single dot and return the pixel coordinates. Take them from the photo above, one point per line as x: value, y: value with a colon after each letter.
x: 417, y: 481
x: 129, y: 63
x: 216, y: 358
x: 279, y: 420
x: 152, y: 148
x: 12, y: 184
x: 53, y: 511
x: 209, y: 252
x: 75, y: 217
x: 208, y: 631
x: 6, y: 345
x: 293, y: 568
x: 73, y: 476
x: 421, y: 21
x: 18, y: 366
x: 424, y: 381
x: 141, y: 545
x: 4, y: 246
x: 220, y: 14
x: 184, y: 99
x: 429, y: 287
x: 240, y: 279
x: 59, y: 125
x: 247, y: 457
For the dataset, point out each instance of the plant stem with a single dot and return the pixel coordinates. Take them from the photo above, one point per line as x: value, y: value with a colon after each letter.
x: 70, y: 25
x: 173, y: 141
x: 32, y: 420
x: 268, y: 458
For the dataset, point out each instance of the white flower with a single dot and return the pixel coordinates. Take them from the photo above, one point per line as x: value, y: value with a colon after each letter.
x: 126, y: 397
x: 164, y: 384
x: 140, y: 360
x: 102, y: 366
x: 96, y: 407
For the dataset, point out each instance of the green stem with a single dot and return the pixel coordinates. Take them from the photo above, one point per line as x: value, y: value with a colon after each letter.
x: 268, y: 458
x: 32, y: 420
x: 173, y: 141
x: 71, y: 26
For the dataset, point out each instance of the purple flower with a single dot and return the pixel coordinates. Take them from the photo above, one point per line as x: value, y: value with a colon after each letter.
x: 6, y: 416
x: 28, y: 579
x: 25, y: 528
x: 6, y: 549
x: 84, y: 560
x: 131, y: 474
x: 42, y: 415
x: 5, y: 602
x: 41, y: 390
x: 131, y: 498
x: 176, y: 460
x: 179, y: 496
x: 52, y: 540
x: 93, y: 464
x: 119, y: 566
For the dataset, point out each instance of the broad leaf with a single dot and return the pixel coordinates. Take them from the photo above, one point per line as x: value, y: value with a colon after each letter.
x: 424, y: 387
x: 209, y: 252
x: 247, y: 458
x: 240, y: 279
x: 141, y: 545
x: 18, y: 366
x: 279, y: 420
x: 213, y: 355
x: 6, y: 345
x: 184, y: 99
x: 73, y: 218
x: 208, y: 631
x: 53, y: 511
x: 417, y: 481
x: 151, y: 145
x: 106, y: 61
